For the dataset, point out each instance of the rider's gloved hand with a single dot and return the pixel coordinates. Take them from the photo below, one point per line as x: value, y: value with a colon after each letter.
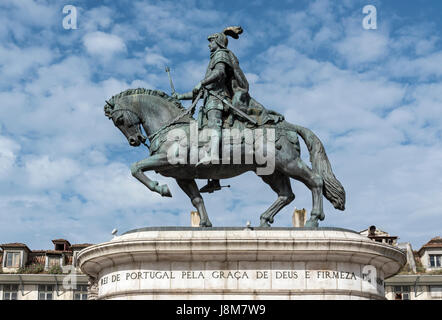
x: 197, y: 88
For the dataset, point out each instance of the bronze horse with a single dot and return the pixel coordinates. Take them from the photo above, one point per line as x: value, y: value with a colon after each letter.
x: 159, y: 113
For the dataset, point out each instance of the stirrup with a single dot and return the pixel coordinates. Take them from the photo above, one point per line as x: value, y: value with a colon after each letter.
x: 211, y: 186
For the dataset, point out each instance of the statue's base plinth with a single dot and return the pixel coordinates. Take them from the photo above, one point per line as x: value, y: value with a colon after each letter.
x: 232, y: 263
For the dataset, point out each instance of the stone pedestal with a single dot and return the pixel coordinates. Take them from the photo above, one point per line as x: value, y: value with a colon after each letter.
x: 232, y: 263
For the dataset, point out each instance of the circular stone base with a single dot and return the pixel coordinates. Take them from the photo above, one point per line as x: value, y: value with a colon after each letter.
x: 236, y: 263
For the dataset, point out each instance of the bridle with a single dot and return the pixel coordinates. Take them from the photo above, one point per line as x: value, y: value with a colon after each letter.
x: 168, y: 124
x: 131, y: 111
x: 190, y: 110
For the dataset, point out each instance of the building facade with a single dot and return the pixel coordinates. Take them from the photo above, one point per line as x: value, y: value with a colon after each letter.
x: 421, y: 277
x: 42, y: 274
x: 54, y: 275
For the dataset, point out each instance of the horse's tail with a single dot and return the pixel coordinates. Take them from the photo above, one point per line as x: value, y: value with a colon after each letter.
x: 332, y: 189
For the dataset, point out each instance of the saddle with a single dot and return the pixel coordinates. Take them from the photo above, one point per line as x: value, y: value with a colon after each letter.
x: 253, y: 108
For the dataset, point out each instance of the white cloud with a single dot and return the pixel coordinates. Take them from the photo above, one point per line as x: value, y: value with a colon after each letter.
x: 8, y: 154
x: 367, y: 46
x: 19, y: 17
x: 103, y: 44
x: 96, y: 18
x: 18, y: 64
x: 112, y: 186
x: 48, y: 173
x: 423, y: 68
x: 155, y: 59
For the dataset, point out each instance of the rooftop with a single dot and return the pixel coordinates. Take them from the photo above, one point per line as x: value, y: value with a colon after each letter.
x: 436, y: 242
x: 67, y: 248
x: 14, y: 245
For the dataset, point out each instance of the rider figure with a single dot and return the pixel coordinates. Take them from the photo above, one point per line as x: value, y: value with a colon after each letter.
x: 226, y: 80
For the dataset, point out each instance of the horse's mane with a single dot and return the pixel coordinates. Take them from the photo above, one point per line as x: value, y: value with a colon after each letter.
x: 157, y: 93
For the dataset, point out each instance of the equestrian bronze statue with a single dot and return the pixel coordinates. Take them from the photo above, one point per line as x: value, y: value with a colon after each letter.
x: 233, y: 134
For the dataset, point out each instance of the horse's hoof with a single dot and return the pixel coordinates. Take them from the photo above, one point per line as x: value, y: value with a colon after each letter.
x: 311, y: 223
x: 164, y: 191
x: 207, y: 224
x: 264, y: 224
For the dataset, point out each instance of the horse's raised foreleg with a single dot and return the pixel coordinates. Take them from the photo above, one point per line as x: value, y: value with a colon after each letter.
x: 298, y: 170
x: 191, y: 189
x: 281, y: 185
x: 152, y: 163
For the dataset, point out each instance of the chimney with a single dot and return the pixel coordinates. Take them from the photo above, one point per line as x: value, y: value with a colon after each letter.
x: 299, y: 218
x: 195, y: 219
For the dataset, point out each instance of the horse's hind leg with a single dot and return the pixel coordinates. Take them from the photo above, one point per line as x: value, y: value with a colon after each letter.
x: 281, y: 185
x: 191, y: 189
x: 298, y: 170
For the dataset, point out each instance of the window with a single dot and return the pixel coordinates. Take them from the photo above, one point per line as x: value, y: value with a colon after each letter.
x: 402, y: 292
x: 436, y: 291
x: 80, y: 293
x: 435, y: 260
x: 12, y: 259
x: 10, y: 291
x: 45, y: 292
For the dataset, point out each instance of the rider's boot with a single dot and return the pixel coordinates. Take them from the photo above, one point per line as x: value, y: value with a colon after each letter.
x: 211, y: 186
x: 212, y: 155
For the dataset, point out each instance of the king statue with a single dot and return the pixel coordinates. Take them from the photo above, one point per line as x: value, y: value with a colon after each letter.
x: 223, y: 84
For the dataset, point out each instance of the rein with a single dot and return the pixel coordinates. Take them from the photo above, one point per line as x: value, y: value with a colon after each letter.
x: 168, y: 124
x: 188, y: 111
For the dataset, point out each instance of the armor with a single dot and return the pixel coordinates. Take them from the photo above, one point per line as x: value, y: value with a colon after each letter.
x: 221, y: 86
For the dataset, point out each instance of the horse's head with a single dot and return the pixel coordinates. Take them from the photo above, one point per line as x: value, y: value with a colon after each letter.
x: 127, y: 121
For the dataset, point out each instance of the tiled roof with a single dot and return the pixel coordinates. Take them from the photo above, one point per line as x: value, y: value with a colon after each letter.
x: 61, y: 240
x: 14, y: 245
x: 436, y: 242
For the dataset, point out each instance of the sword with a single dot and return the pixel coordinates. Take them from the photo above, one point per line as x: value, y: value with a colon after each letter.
x: 170, y: 80
x: 231, y: 106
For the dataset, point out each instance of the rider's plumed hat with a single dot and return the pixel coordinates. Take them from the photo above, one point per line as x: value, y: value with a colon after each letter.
x: 221, y: 37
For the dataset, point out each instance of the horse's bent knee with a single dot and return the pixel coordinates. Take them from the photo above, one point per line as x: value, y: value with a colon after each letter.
x: 291, y: 197
x: 287, y: 198
x: 197, y: 201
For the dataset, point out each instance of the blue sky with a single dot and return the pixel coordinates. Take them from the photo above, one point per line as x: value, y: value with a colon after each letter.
x: 372, y: 96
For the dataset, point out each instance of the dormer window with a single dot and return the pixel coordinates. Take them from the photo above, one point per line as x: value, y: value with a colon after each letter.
x: 61, y: 245
x: 12, y: 259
